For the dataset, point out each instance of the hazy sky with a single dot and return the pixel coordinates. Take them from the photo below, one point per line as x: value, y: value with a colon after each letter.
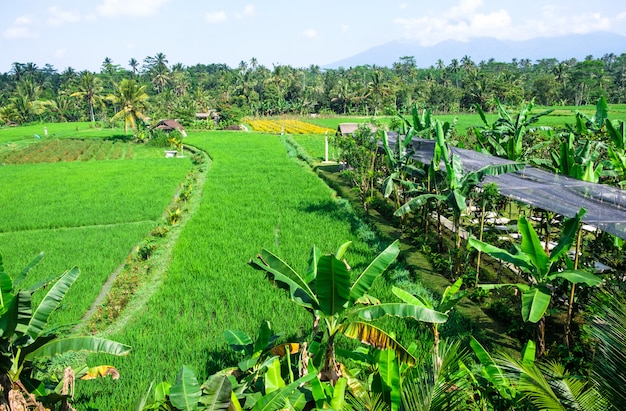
x: 81, y: 33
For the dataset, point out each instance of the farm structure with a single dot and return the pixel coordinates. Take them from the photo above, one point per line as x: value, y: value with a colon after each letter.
x: 605, y: 205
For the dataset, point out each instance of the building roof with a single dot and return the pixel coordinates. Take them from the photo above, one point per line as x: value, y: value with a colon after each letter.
x: 169, y: 125
x: 347, y: 128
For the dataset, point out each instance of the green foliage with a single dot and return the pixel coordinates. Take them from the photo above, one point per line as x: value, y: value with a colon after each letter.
x: 25, y: 337
x: 359, y: 153
x: 505, y: 136
x: 326, y: 290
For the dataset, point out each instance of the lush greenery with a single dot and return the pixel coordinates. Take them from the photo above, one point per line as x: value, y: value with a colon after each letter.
x: 191, y: 314
x: 124, y: 92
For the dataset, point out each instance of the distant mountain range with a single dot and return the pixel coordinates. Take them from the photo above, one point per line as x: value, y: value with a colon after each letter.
x: 576, y: 46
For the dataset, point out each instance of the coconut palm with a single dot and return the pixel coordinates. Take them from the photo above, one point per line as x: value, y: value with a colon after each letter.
x: 89, y: 89
x: 132, y: 100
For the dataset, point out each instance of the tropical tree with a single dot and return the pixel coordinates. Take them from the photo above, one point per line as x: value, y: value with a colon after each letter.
x: 132, y: 100
x: 158, y: 71
x: 26, y: 338
x: 505, y: 136
x: 359, y: 152
x: 89, y: 89
x: 540, y: 270
x: 326, y: 291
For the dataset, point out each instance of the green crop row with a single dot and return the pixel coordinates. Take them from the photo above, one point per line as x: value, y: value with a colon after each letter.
x: 255, y: 196
x: 74, y: 194
x: 59, y: 130
x: 97, y: 251
x: 87, y: 214
x: 55, y: 150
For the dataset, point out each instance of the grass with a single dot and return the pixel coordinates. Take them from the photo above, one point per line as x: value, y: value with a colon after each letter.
x: 61, y: 130
x: 90, y: 214
x: 268, y: 201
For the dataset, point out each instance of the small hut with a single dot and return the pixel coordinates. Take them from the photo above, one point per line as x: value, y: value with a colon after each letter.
x: 345, y: 129
x: 171, y: 125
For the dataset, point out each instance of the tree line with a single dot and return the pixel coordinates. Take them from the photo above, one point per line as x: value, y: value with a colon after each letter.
x: 29, y: 93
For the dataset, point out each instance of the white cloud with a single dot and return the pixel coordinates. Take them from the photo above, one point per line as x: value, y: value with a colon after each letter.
x: 310, y: 33
x: 60, y: 53
x: 15, y: 33
x: 403, y: 6
x: 554, y: 21
x: 20, y: 29
x: 133, y: 8
x: 23, y: 20
x: 345, y: 28
x: 216, y: 16
x: 469, y: 19
x: 464, y: 8
x: 432, y: 30
x: 247, y: 11
x: 59, y: 17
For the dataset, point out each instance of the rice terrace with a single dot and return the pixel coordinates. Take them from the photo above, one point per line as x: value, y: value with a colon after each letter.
x: 272, y: 248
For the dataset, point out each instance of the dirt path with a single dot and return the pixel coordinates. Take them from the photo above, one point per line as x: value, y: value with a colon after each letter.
x: 158, y: 263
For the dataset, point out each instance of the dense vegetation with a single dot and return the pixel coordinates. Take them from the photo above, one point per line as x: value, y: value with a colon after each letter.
x: 190, y: 307
x: 30, y: 93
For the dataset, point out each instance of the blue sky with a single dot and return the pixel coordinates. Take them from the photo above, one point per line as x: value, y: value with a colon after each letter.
x: 81, y: 33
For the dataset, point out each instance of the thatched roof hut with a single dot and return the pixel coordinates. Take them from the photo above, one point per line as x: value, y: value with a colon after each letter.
x: 170, y: 125
x: 345, y: 129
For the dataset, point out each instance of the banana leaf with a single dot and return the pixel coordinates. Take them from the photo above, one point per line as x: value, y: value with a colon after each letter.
x: 402, y: 310
x: 374, y: 336
x: 186, y: 393
x: 86, y: 343
x: 535, y: 303
x: 217, y: 392
x: 332, y: 286
x: 363, y: 283
x: 51, y: 302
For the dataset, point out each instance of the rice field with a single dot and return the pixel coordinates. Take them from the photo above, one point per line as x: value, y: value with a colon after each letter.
x: 265, y: 200
x: 87, y: 214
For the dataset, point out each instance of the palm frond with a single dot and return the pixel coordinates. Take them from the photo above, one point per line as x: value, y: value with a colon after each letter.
x: 609, y: 330
x: 438, y: 383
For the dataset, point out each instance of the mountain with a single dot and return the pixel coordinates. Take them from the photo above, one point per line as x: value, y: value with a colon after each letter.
x: 565, y: 47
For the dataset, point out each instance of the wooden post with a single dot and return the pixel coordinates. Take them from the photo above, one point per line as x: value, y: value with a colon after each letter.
x: 326, y: 146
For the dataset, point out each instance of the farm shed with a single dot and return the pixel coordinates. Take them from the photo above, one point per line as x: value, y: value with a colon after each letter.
x: 605, y: 205
x: 170, y: 125
x: 209, y: 115
x: 345, y: 129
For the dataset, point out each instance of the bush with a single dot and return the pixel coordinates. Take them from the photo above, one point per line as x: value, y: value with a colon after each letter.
x: 158, y: 138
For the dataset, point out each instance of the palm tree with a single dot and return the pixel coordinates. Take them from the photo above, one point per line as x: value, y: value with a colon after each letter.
x: 134, y: 65
x: 89, y: 89
x: 132, y: 99
x: 157, y: 67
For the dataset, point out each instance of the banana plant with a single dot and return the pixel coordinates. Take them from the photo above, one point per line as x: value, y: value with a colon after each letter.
x: 616, y: 165
x: 25, y: 337
x: 450, y: 297
x: 505, y: 136
x: 578, y: 161
x: 591, y: 125
x: 460, y: 181
x: 218, y: 392
x: 420, y: 124
x: 400, y: 167
x: 326, y: 291
x: 539, y: 269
